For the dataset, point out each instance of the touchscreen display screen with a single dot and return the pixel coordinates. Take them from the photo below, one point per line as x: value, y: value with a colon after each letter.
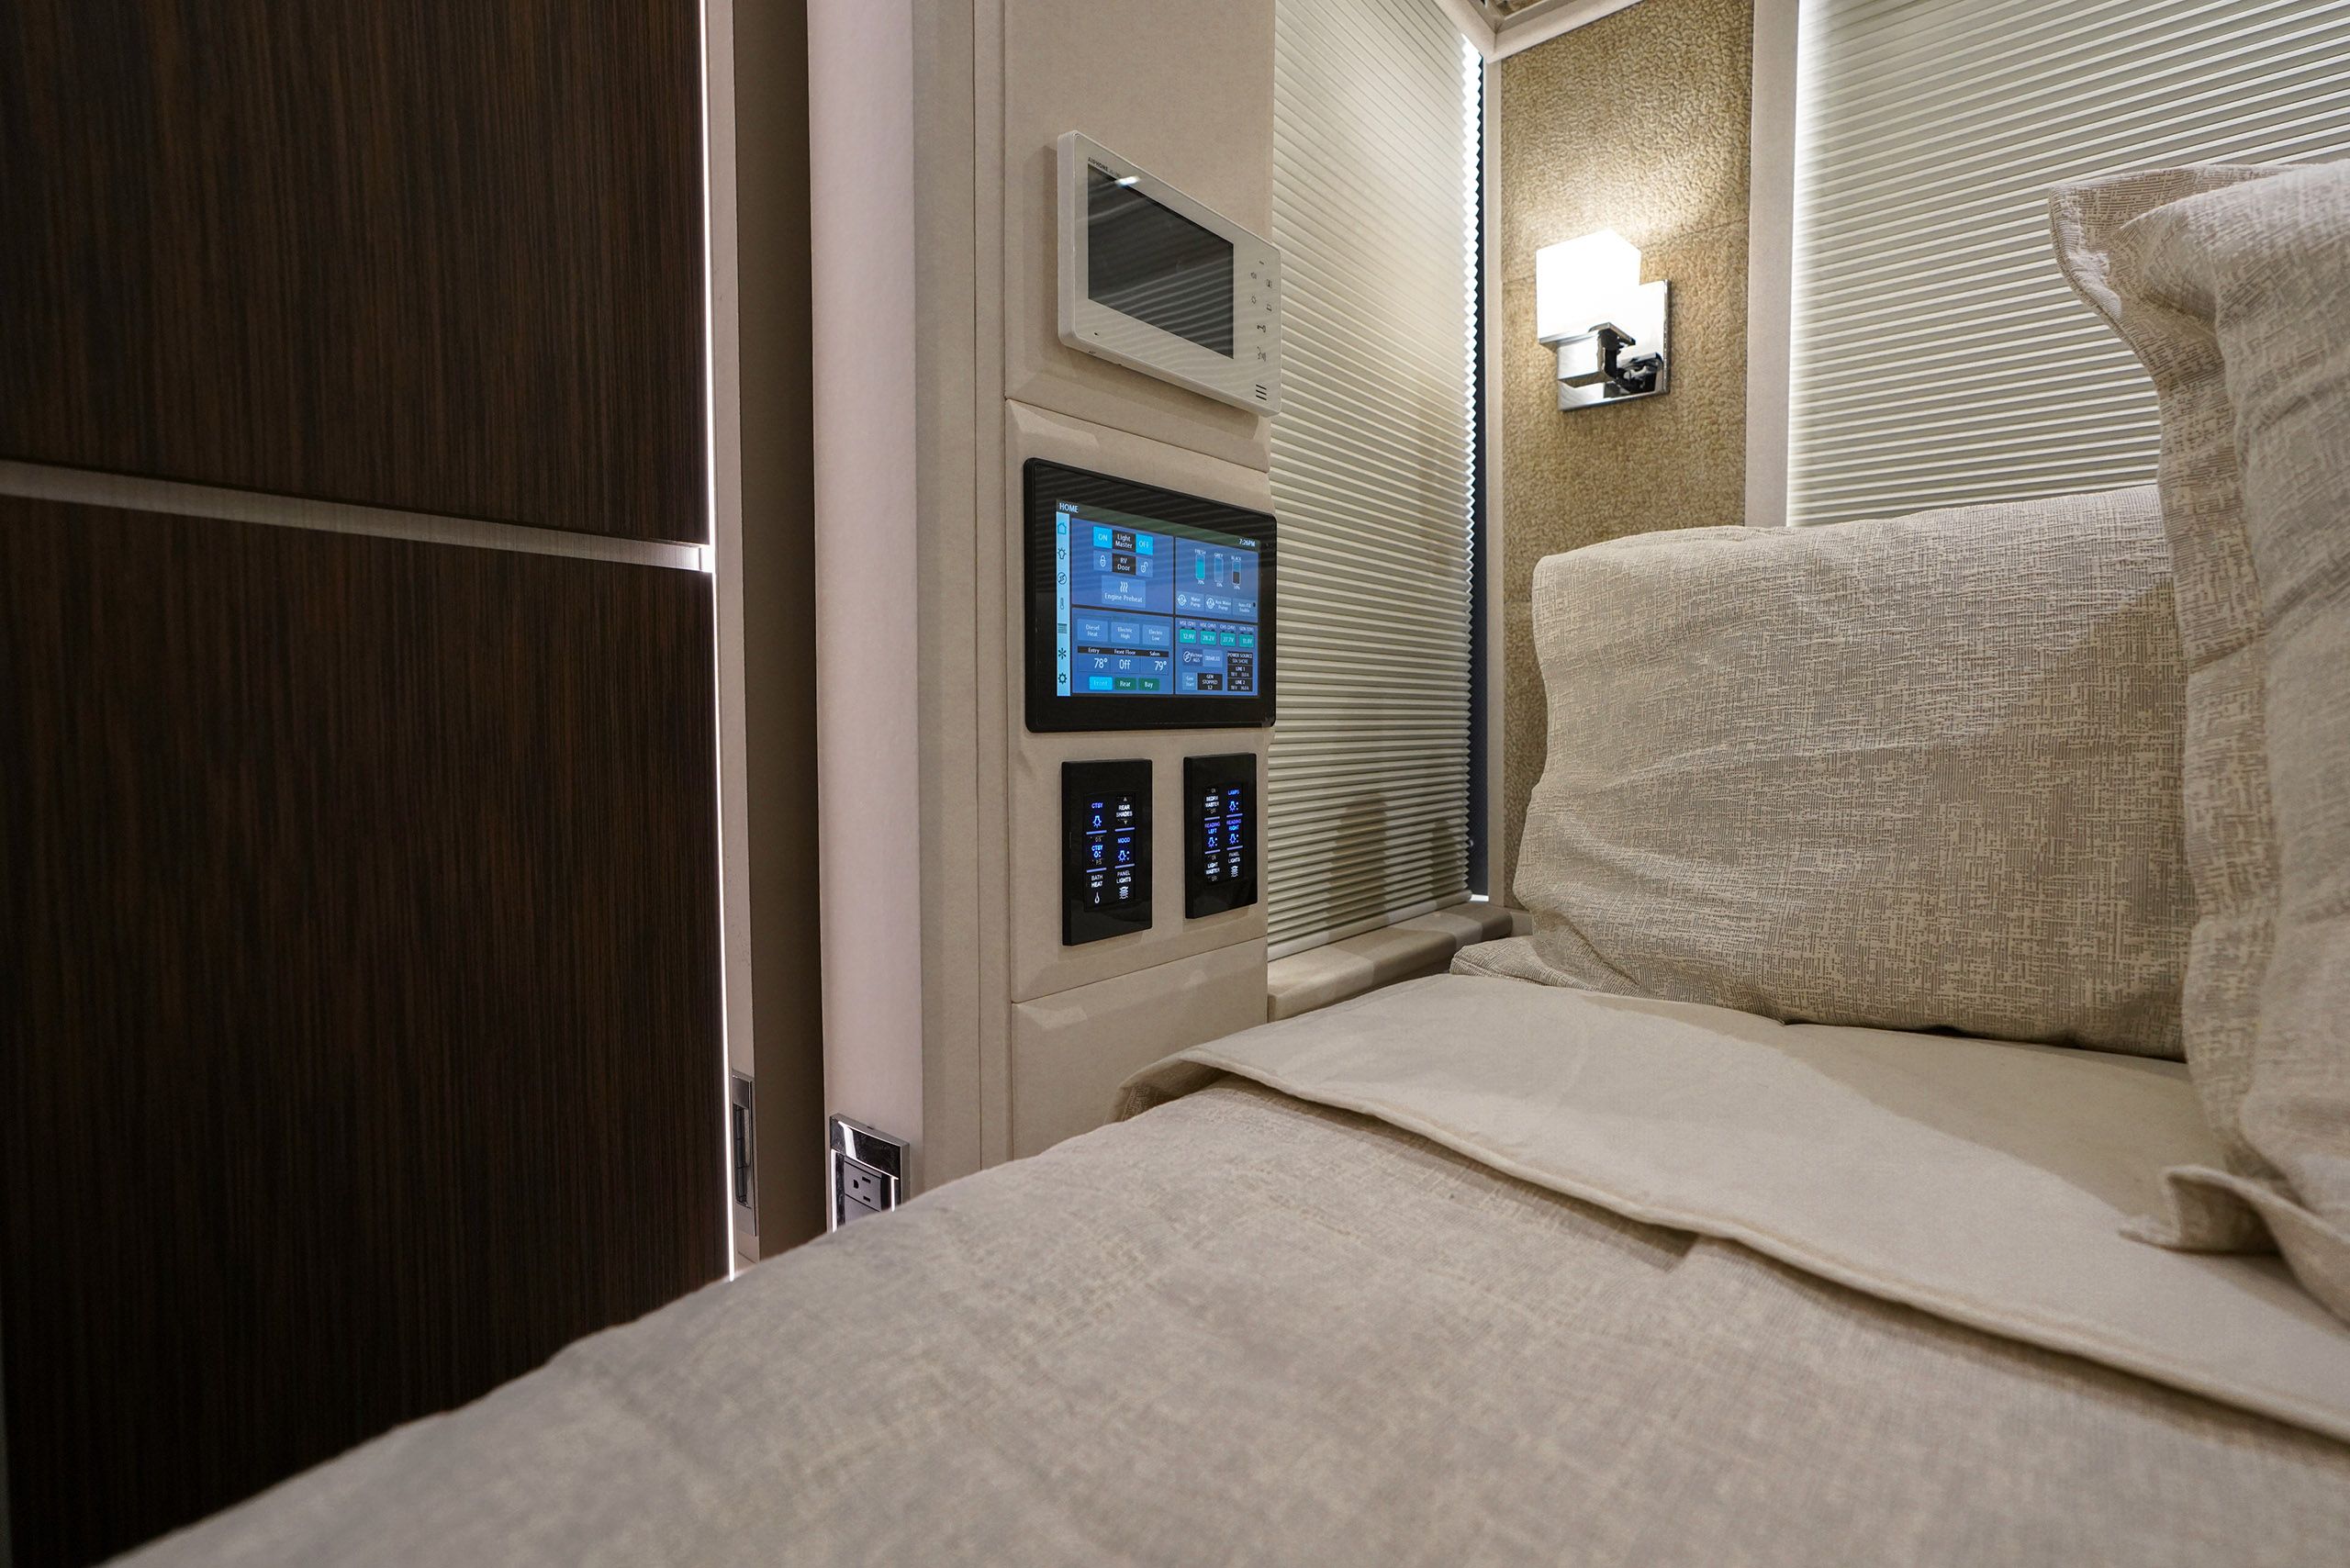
x: 1156, y: 265
x: 1147, y: 609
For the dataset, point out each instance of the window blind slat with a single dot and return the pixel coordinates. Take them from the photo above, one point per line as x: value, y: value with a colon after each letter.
x: 1940, y: 359
x: 1375, y: 132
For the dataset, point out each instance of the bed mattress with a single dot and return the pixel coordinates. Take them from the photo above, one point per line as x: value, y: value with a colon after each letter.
x: 1250, y: 1325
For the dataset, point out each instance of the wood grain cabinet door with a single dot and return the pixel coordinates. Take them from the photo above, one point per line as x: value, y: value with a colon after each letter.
x: 361, y: 1046
x: 360, y: 993
x: 440, y: 255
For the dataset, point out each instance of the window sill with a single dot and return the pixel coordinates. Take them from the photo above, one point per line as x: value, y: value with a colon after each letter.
x: 1408, y: 949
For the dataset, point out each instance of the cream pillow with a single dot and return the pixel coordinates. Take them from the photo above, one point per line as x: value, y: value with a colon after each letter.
x: 1915, y: 774
x: 2233, y: 287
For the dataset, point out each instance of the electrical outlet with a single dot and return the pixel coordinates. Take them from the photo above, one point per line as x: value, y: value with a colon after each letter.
x: 867, y: 1173
x: 862, y: 1187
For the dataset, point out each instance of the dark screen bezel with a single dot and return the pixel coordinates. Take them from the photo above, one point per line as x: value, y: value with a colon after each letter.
x: 1042, y: 483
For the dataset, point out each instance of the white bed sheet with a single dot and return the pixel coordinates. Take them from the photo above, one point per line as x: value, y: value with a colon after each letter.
x: 1986, y: 1182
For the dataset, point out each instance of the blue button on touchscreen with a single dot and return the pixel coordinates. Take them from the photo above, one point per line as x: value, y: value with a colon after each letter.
x: 1150, y: 608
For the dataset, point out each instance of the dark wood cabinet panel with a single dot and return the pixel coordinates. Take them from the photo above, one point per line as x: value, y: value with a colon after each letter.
x: 440, y: 255
x: 359, y: 1043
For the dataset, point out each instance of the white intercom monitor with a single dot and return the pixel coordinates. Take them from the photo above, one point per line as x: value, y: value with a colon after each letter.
x: 1161, y: 284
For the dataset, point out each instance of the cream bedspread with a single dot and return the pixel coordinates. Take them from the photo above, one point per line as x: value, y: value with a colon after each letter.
x: 1246, y: 1328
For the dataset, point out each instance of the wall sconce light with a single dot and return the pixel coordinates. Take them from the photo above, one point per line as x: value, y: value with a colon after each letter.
x: 1607, y: 325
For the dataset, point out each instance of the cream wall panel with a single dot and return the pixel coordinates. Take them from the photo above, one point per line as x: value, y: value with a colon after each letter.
x: 1039, y: 963
x: 1072, y: 1050
x: 939, y: 370
x: 862, y: 123
x: 1185, y: 90
x: 954, y: 426
x: 985, y: 1034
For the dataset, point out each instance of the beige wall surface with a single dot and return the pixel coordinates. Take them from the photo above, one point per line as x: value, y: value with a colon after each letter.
x: 1635, y: 123
x: 868, y: 367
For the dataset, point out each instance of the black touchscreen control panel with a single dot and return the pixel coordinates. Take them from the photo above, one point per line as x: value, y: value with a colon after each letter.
x: 1105, y: 849
x: 1147, y: 609
x: 1219, y: 833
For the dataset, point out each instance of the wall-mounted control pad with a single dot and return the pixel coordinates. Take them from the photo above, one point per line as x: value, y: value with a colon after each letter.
x: 1219, y: 833
x: 1105, y: 849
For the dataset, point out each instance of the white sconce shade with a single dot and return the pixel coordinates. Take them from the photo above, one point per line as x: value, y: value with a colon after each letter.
x: 1578, y: 283
x: 1608, y: 326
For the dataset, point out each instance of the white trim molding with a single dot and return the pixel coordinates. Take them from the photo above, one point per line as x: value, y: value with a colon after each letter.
x: 1770, y: 258
x: 1547, y: 19
x: 1496, y: 31
x: 1405, y: 949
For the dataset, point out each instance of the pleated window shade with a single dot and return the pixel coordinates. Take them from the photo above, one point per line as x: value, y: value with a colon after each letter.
x: 1938, y: 358
x: 1375, y: 147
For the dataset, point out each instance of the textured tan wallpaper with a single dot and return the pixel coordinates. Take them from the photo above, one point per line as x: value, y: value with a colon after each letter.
x: 1635, y: 123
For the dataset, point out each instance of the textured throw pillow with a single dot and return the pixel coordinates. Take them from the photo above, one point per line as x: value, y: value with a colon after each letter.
x: 1915, y: 774
x: 2233, y: 287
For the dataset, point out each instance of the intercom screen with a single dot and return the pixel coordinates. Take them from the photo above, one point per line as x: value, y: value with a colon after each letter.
x: 1156, y: 265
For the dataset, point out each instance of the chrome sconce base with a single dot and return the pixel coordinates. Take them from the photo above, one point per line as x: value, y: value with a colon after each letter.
x: 1616, y: 361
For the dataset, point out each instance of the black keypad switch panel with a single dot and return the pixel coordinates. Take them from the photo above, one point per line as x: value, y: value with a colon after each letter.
x: 1219, y: 833
x: 1105, y: 849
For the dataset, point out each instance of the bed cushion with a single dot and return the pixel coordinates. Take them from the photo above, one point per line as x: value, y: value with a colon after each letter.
x: 1243, y: 1328
x: 2233, y: 287
x: 1912, y: 773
